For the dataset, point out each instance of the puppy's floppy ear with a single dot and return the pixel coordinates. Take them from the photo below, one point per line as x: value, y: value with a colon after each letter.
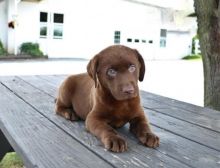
x: 92, y: 68
x: 142, y: 66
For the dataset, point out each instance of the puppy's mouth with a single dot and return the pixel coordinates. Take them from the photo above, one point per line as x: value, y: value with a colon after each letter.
x: 124, y: 96
x: 130, y: 96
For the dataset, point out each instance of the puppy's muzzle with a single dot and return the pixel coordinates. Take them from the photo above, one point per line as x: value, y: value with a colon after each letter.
x: 128, y: 89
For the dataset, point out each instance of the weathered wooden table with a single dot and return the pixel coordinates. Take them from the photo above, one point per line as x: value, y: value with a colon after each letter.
x: 190, y: 135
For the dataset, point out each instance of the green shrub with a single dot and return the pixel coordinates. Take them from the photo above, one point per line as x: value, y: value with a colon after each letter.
x: 31, y: 49
x: 2, y: 50
x: 191, y: 57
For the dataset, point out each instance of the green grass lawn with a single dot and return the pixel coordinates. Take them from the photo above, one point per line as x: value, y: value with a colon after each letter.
x: 11, y: 160
x: 192, y: 57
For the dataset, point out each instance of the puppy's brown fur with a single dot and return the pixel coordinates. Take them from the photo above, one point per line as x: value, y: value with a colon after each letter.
x: 107, y: 97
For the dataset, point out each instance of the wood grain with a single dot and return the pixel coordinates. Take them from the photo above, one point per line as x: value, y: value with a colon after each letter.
x: 185, y: 142
x: 132, y: 158
x: 37, y: 140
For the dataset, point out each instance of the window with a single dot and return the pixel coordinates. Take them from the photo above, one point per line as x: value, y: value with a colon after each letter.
x: 43, y: 24
x: 58, y: 31
x: 136, y: 40
x: 150, y: 41
x: 117, y: 37
x: 163, y: 33
x: 58, y: 26
x: 58, y: 18
x: 163, y: 36
x: 43, y: 17
x: 163, y: 43
x: 43, y: 31
x: 143, y: 41
x: 129, y: 40
x: 51, y: 24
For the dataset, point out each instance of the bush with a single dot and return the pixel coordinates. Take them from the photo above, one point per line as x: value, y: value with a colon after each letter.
x: 2, y: 50
x: 31, y: 49
x: 191, y: 57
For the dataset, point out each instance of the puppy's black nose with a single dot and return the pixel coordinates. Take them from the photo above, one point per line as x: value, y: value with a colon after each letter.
x: 128, y: 89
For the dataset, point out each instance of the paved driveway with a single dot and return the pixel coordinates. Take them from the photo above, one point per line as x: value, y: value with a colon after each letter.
x: 181, y: 80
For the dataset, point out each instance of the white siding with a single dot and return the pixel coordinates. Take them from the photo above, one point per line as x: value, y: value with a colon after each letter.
x: 28, y: 20
x: 3, y: 23
x: 178, y: 45
x: 89, y: 27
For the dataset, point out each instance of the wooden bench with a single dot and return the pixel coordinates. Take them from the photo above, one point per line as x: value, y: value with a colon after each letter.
x: 190, y: 135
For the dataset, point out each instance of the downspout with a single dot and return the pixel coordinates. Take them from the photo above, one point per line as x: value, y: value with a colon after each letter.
x: 15, y: 17
x: 12, y: 26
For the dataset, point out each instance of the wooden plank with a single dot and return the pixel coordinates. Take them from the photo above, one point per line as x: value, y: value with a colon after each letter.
x: 132, y: 158
x: 53, y: 79
x: 37, y: 140
x: 180, y: 105
x: 152, y: 104
x: 209, y: 122
x: 182, y: 148
x: 35, y: 83
x: 190, y: 131
x: 47, y: 84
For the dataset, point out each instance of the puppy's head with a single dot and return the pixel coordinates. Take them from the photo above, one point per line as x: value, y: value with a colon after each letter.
x: 118, y: 69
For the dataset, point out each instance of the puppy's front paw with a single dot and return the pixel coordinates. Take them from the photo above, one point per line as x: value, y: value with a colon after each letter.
x: 68, y: 114
x: 115, y: 143
x: 150, y: 139
x: 71, y: 116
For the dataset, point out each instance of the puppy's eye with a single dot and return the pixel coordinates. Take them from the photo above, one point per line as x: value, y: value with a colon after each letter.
x: 131, y: 68
x: 111, y: 72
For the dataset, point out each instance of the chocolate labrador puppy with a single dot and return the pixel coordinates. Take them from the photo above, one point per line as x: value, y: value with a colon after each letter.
x: 107, y: 97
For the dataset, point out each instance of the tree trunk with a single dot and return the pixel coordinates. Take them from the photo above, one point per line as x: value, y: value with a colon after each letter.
x: 208, y: 18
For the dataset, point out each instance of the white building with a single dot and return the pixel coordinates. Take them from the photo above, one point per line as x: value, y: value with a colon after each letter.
x: 81, y: 28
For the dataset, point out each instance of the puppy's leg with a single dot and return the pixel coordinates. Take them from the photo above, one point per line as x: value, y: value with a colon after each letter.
x: 66, y: 112
x: 140, y: 127
x: 109, y: 137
